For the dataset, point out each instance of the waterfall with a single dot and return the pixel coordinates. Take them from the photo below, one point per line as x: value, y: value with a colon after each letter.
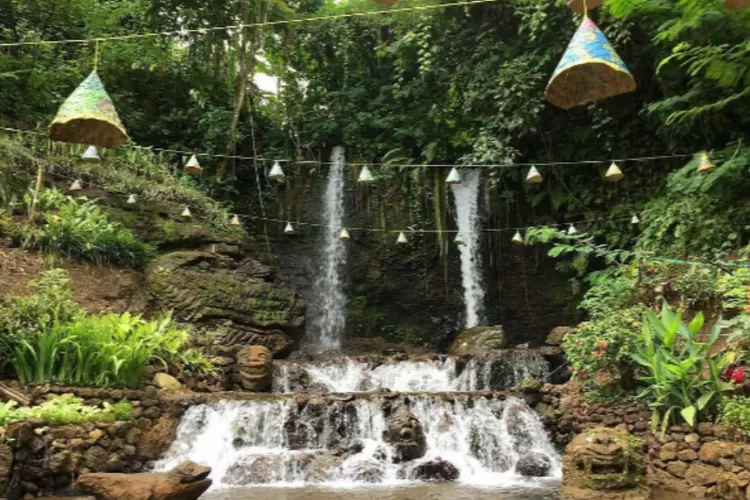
x: 466, y: 196
x: 287, y: 441
x: 329, y: 287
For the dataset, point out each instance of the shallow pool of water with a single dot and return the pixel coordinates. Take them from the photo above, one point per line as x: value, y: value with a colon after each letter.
x: 536, y: 490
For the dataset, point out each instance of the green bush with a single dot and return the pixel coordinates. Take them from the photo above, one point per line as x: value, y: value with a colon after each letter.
x: 735, y: 415
x: 65, y: 410
x: 78, y: 228
x: 682, y: 371
x: 26, y: 317
x: 109, y: 350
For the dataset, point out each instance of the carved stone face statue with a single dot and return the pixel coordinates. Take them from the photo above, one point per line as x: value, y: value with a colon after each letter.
x: 255, y: 368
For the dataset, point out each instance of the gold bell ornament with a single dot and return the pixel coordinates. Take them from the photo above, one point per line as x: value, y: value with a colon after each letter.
x: 401, y: 240
x: 193, y: 167
x: 131, y: 199
x: 454, y: 177
x: 517, y: 238
x: 289, y: 229
x: 705, y: 164
x: 91, y: 155
x: 235, y: 221
x: 572, y: 230
x: 276, y: 173
x: 76, y: 186
x: 186, y: 214
x: 344, y: 234
x: 635, y: 219
x: 614, y: 174
x: 534, y: 177
x: 459, y: 240
x: 365, y: 175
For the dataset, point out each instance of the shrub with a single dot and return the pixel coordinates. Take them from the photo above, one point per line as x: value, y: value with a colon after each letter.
x: 681, y: 371
x: 109, y: 350
x: 65, y: 410
x: 78, y: 228
x: 25, y: 317
x: 735, y: 415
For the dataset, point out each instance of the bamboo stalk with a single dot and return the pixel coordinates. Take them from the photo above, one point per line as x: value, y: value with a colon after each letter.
x: 38, y: 186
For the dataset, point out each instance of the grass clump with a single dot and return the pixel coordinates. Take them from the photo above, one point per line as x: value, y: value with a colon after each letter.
x: 65, y: 410
x: 78, y: 228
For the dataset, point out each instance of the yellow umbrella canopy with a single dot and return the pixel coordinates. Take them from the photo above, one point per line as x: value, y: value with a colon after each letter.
x: 578, y: 6
x: 590, y: 70
x: 88, y: 116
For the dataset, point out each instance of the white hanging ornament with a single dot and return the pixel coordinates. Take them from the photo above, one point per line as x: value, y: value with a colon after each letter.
x: 459, y: 240
x: 186, y: 213
x: 454, y: 177
x: 705, y: 164
x: 76, y: 186
x: 276, y: 173
x: 91, y: 155
x: 344, y: 234
x: 289, y: 229
x: 517, y: 238
x: 131, y: 199
x: 401, y: 240
x: 614, y: 174
x: 635, y: 219
x: 572, y: 230
x: 192, y: 167
x: 534, y: 177
x: 235, y: 221
x: 365, y: 175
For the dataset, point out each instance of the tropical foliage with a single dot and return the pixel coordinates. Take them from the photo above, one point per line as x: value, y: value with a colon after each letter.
x: 64, y: 410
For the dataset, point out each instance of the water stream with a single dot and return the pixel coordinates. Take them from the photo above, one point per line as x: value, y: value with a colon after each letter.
x: 466, y: 196
x: 328, y: 290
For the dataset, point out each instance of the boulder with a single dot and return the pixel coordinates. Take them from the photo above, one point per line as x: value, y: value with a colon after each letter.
x: 533, y: 465
x: 152, y: 444
x: 557, y: 335
x: 6, y: 465
x: 148, y: 485
x: 322, y: 467
x: 255, y: 368
x: 167, y: 382
x: 479, y: 340
x: 190, y: 472
x: 212, y: 288
x: 405, y: 435
x: 437, y: 470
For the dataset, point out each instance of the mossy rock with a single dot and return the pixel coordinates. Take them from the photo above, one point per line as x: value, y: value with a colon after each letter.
x: 216, y: 288
x: 479, y: 340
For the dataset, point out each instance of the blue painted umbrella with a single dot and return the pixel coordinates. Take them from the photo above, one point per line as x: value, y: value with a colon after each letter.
x: 589, y: 70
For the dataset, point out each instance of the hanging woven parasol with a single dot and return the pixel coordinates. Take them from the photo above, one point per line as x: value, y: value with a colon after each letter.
x: 581, y: 6
x: 88, y: 116
x: 589, y: 70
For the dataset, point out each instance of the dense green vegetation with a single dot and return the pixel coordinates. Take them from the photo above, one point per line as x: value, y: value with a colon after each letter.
x: 45, y: 337
x: 64, y: 410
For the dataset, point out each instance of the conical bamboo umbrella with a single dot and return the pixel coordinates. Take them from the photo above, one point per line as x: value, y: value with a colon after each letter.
x: 88, y: 116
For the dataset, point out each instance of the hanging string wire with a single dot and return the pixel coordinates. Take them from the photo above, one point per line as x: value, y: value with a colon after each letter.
x: 96, y: 55
x: 734, y: 150
x: 233, y: 27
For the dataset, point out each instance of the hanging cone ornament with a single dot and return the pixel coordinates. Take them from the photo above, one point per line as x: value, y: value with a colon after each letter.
x: 454, y: 177
x: 76, y: 186
x: 192, y: 167
x: 401, y: 239
x: 534, y: 177
x: 365, y: 175
x: 91, y: 155
x: 572, y: 230
x: 614, y: 174
x: 517, y: 238
x: 635, y: 219
x: 344, y: 234
x: 131, y: 199
x: 705, y: 164
x: 589, y: 70
x: 89, y: 117
x: 581, y: 6
x: 736, y: 4
x: 459, y: 240
x: 186, y: 214
x: 235, y: 221
x: 276, y: 173
x: 289, y: 229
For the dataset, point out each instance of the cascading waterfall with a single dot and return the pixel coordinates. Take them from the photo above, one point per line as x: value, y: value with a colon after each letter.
x: 329, y: 287
x: 466, y: 196
x: 275, y: 441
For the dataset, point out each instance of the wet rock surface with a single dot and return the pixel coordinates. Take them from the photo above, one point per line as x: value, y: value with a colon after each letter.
x: 479, y: 340
x: 533, y: 465
x: 437, y: 470
x: 405, y: 435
